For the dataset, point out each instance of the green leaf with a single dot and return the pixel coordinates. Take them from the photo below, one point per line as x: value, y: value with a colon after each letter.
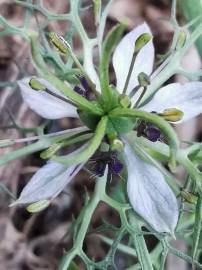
x: 119, y: 125
x: 90, y: 120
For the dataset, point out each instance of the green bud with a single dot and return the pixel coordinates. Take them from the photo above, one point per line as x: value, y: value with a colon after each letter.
x: 172, y: 114
x: 142, y: 41
x: 188, y: 196
x: 36, y: 85
x: 59, y: 42
x: 181, y: 40
x: 38, y: 206
x: 124, y: 101
x: 143, y: 79
x: 51, y: 150
x: 117, y: 145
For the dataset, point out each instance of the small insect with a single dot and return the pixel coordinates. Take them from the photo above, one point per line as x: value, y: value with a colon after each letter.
x: 59, y: 42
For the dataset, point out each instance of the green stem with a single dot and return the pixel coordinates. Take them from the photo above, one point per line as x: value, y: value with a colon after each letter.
x: 89, y: 210
x: 129, y: 73
x: 157, y: 121
x: 88, y: 44
x: 172, y: 66
x: 192, y: 9
x: 140, y: 245
x: 44, y: 142
x: 140, y: 97
x: 90, y: 148
x: 197, y: 227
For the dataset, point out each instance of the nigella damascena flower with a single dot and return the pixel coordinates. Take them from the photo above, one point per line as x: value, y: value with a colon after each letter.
x: 148, y: 192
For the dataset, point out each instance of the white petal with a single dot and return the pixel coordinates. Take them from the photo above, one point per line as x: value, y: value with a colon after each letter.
x: 47, y: 182
x: 43, y: 103
x: 149, y: 194
x: 186, y: 97
x: 123, y: 55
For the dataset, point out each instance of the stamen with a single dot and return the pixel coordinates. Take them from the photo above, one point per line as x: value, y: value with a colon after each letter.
x: 63, y: 46
x: 80, y: 91
x: 144, y: 81
x: 139, y: 44
x: 115, y: 166
x: 148, y: 131
x: 59, y: 42
x: 153, y: 133
x: 36, y: 85
x: 172, y: 114
x: 110, y: 159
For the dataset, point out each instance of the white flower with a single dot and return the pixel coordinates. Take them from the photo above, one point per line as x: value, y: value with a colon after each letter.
x: 148, y: 192
x: 44, y: 104
x: 52, y: 178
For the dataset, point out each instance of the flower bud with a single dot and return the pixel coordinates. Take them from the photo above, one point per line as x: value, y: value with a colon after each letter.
x: 36, y: 85
x: 181, y: 40
x: 59, y: 42
x: 172, y: 114
x: 143, y: 79
x: 142, y: 41
x: 117, y: 145
x: 38, y: 206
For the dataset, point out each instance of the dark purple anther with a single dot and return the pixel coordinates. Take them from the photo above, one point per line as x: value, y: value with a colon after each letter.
x: 84, y: 83
x: 153, y: 134
x: 100, y: 168
x: 115, y: 166
x: 79, y: 91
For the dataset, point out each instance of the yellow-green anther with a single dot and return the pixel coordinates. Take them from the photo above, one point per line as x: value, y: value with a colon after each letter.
x: 36, y: 85
x: 117, y: 145
x: 59, y: 42
x: 188, y: 197
x: 124, y: 101
x: 172, y: 115
x: 181, y: 40
x: 38, y: 206
x: 142, y: 41
x: 51, y: 150
x: 143, y: 79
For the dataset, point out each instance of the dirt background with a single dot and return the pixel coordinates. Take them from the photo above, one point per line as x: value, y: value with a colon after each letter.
x: 37, y: 242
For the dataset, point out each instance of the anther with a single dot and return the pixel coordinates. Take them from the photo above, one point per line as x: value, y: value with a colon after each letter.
x: 172, y: 114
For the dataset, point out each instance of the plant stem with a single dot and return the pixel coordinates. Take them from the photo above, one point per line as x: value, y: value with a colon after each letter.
x: 88, y: 213
x: 140, y: 245
x: 129, y: 73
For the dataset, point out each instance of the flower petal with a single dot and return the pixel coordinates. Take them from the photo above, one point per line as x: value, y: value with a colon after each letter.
x: 149, y: 194
x: 185, y: 97
x: 47, y: 182
x: 123, y: 55
x: 43, y: 103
